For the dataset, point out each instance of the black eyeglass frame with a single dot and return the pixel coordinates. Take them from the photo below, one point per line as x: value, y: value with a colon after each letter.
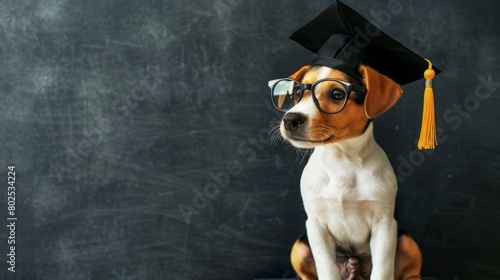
x: 349, y: 88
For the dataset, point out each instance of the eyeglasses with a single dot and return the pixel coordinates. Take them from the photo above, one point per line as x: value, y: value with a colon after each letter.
x: 329, y: 95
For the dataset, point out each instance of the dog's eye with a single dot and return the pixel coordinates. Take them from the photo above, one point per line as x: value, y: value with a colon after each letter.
x: 337, y: 94
x: 297, y: 94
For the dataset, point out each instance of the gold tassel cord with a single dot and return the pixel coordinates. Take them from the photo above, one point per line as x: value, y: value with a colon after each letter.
x: 428, y: 139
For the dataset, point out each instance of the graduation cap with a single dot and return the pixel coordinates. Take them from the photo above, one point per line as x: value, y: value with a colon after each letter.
x: 343, y: 39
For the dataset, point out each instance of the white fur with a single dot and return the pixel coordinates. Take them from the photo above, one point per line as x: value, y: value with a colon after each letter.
x: 349, y: 191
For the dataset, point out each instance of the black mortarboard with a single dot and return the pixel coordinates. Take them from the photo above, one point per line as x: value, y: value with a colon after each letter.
x: 343, y: 39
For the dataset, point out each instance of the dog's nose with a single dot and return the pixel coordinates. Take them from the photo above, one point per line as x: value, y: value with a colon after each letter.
x: 292, y: 121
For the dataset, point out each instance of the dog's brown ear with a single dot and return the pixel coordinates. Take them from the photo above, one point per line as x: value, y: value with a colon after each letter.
x: 381, y: 92
x: 300, y: 73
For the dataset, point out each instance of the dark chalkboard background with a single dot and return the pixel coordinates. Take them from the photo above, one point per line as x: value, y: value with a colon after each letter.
x: 118, y: 114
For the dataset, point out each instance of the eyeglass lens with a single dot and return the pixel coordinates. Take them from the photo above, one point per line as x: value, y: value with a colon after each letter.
x: 331, y: 95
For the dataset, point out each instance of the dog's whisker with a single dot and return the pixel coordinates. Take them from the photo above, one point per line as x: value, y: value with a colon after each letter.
x: 276, y: 136
x: 274, y: 131
x: 300, y: 153
x: 305, y: 153
x: 289, y: 146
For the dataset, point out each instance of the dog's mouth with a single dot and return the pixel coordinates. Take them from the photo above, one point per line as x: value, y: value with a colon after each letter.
x: 303, y: 138
x: 300, y: 139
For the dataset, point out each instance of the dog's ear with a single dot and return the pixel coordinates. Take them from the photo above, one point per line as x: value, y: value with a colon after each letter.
x: 381, y: 92
x: 300, y: 73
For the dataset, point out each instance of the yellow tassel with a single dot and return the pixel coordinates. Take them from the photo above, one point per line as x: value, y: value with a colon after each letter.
x: 428, y: 139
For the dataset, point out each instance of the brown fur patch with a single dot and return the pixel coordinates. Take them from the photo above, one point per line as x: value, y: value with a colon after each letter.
x: 408, y: 259
x: 302, y: 259
x: 300, y: 73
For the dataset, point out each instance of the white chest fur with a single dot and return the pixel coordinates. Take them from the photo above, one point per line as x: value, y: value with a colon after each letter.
x: 348, y: 188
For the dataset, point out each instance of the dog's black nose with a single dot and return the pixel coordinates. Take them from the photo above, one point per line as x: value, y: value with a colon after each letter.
x: 292, y: 121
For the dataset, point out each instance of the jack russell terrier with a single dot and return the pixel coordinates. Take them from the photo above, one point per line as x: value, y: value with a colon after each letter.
x: 348, y: 185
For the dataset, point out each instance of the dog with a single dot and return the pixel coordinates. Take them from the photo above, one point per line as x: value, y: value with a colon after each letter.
x: 348, y: 186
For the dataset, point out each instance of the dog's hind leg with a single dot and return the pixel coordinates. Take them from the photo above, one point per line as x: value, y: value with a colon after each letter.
x: 303, y: 260
x: 408, y: 259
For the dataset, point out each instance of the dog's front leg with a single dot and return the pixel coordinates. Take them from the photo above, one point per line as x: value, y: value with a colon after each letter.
x: 383, y: 249
x: 323, y: 249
